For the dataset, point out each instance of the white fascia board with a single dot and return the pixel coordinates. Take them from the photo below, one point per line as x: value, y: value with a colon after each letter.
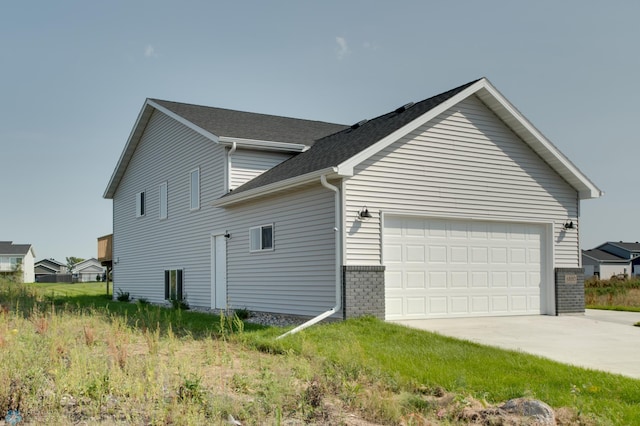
x: 538, y: 142
x: 274, y: 187
x: 408, y: 128
x: 262, y: 145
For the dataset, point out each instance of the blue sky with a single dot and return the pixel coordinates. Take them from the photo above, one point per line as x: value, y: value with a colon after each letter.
x: 74, y: 75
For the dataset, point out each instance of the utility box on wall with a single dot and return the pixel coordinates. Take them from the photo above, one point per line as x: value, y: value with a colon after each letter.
x: 569, y: 291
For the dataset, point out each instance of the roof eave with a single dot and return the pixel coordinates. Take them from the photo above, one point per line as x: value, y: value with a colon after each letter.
x: 282, y: 185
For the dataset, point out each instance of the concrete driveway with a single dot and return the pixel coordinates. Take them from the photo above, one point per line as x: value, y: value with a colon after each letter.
x: 600, y: 340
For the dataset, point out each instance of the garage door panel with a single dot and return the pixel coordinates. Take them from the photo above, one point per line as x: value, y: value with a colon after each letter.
x: 440, y: 268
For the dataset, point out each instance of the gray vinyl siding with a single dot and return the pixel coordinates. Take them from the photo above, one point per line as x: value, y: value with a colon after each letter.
x: 146, y: 246
x: 298, y: 275
x: 464, y: 163
x: 247, y: 164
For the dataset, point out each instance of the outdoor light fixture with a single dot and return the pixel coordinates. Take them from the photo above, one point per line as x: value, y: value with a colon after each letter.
x: 227, y: 235
x: 364, y: 213
x: 568, y: 225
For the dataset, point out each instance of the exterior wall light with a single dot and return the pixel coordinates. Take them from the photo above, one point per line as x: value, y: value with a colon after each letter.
x: 568, y: 225
x: 364, y: 213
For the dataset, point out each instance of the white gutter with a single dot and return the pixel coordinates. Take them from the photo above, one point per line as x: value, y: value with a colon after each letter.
x: 229, y: 154
x: 338, y: 248
x: 262, y: 144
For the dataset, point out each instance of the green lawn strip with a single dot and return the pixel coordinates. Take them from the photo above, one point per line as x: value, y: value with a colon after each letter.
x: 409, y: 359
x: 67, y: 289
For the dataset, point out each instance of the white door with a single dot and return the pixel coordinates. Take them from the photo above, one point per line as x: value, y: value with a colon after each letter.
x: 462, y: 268
x: 218, y: 272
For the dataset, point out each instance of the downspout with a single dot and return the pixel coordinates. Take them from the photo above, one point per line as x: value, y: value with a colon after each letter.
x: 229, y: 154
x: 336, y: 230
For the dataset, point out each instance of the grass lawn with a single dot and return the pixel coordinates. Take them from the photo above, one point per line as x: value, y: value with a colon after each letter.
x: 75, y: 289
x: 85, y: 358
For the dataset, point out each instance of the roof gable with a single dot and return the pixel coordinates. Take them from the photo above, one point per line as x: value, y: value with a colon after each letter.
x: 339, y: 153
x: 225, y: 126
x: 629, y: 247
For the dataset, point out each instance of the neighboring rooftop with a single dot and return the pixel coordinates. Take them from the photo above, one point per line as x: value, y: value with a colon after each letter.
x: 604, y: 256
x: 624, y: 245
x: 8, y: 248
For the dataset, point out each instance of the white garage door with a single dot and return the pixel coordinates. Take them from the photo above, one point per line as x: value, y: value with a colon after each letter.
x: 456, y: 268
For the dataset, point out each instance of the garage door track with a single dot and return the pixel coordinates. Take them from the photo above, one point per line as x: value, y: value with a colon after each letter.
x: 600, y: 340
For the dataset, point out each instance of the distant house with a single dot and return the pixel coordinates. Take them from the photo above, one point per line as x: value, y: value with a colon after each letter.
x: 454, y: 206
x: 612, y: 258
x: 87, y: 270
x: 47, y: 267
x: 17, y: 257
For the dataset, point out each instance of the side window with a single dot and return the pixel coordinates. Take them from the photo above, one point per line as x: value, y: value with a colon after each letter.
x: 194, y: 187
x: 261, y: 238
x: 163, y: 200
x: 173, y: 284
x: 140, y: 204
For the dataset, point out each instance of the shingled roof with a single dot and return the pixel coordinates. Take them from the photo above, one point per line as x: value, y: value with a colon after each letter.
x: 250, y: 125
x: 604, y: 256
x: 8, y: 248
x: 341, y: 146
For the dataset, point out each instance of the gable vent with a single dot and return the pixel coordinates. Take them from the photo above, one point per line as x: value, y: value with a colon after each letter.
x: 359, y: 123
x: 404, y: 108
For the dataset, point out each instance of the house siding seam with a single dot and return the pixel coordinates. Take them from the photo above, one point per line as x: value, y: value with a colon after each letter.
x: 464, y: 163
x: 363, y: 291
x: 569, y: 294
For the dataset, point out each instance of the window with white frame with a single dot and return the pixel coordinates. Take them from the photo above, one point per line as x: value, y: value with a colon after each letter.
x: 173, y: 284
x: 163, y: 201
x: 194, y: 187
x: 261, y: 238
x: 140, y: 204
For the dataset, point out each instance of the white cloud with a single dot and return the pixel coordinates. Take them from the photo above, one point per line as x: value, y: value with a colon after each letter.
x: 150, y: 52
x: 343, y: 48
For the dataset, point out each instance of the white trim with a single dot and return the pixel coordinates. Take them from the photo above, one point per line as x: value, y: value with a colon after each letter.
x: 191, y: 208
x: 163, y: 200
x: 264, y: 145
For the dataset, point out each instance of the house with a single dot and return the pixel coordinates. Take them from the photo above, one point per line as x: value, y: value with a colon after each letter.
x: 455, y: 206
x: 612, y: 258
x: 17, y: 257
x: 46, y: 267
x: 87, y: 270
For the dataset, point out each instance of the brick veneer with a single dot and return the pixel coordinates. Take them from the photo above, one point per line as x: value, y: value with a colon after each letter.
x: 569, y: 296
x: 363, y: 291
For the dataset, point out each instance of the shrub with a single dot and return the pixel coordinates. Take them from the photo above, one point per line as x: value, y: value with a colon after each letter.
x: 123, y: 296
x: 243, y: 313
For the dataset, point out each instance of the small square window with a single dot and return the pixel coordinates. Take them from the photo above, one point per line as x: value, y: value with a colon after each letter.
x: 140, y: 204
x: 261, y: 237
